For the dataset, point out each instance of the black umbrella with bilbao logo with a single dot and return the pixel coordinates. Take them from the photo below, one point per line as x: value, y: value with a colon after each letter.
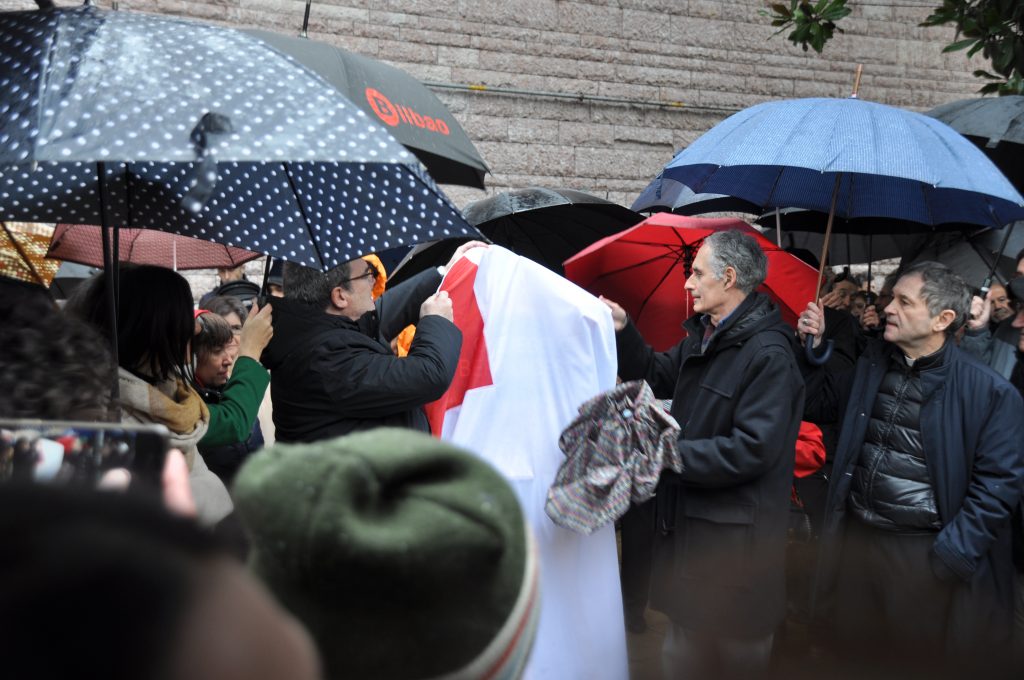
x: 410, y: 112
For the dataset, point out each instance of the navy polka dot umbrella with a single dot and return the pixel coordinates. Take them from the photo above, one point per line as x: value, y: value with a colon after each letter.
x: 142, y: 121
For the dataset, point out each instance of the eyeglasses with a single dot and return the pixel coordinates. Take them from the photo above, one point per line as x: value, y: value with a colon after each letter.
x: 370, y: 272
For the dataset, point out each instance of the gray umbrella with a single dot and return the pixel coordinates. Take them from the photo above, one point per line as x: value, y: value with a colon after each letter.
x: 411, y: 112
x: 973, y: 257
x: 994, y: 119
x: 128, y: 119
x: 996, y: 124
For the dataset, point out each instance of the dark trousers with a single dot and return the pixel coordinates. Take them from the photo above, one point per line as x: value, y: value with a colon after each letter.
x: 637, y: 536
x: 888, y: 599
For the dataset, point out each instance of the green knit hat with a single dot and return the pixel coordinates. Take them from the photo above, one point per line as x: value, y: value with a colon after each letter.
x: 403, y: 555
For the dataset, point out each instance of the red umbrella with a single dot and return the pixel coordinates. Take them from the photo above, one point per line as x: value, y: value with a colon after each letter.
x: 645, y: 267
x: 83, y: 244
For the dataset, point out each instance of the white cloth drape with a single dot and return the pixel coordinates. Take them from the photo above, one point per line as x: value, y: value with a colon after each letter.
x: 549, y: 347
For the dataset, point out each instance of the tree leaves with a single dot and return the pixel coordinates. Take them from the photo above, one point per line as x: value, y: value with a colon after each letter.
x: 993, y: 27
x: 813, y: 24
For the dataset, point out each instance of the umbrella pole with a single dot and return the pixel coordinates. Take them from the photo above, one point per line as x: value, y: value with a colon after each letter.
x: 305, y: 20
x: 828, y: 236
x: 870, y: 239
x: 822, y: 359
x: 264, y: 293
x: 110, y: 267
x: 778, y: 228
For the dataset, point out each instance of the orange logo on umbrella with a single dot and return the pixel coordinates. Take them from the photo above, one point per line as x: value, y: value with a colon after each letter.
x: 392, y: 114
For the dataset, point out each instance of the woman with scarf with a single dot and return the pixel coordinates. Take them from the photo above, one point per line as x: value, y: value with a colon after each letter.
x: 155, y: 326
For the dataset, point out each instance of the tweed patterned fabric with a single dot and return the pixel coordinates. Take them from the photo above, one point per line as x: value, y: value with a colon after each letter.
x: 615, y: 451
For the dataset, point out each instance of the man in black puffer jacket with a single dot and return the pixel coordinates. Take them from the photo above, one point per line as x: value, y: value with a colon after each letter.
x: 332, y: 370
x: 738, y: 397
x: 928, y: 470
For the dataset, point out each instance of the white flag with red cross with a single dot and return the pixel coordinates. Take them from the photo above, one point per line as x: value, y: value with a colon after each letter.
x: 535, y: 346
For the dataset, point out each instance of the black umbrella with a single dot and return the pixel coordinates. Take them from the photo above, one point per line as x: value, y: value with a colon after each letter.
x: 847, y: 249
x: 857, y: 240
x: 135, y: 120
x: 424, y: 256
x: 862, y: 240
x: 411, y: 112
x: 548, y: 226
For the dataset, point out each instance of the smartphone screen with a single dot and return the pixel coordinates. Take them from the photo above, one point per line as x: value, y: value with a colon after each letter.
x: 82, y: 454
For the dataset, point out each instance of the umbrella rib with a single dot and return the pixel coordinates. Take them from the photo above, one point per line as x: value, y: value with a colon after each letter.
x: 771, y: 193
x: 305, y: 218
x: 655, y: 289
x: 128, y: 196
x: 610, y: 272
x: 927, y: 206
x: 981, y: 254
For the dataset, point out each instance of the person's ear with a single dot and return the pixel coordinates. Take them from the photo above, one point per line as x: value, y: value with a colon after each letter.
x: 729, y: 277
x: 339, y: 298
x: 943, y: 320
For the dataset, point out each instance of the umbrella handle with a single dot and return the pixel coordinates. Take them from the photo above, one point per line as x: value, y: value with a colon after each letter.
x: 813, y: 357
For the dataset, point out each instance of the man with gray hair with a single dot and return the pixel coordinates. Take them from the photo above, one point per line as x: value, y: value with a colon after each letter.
x: 332, y: 370
x: 738, y: 396
x: 916, y: 548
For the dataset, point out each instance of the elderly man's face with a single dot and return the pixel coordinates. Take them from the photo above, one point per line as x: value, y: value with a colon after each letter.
x: 909, y: 324
x: 1002, y: 308
x: 708, y: 293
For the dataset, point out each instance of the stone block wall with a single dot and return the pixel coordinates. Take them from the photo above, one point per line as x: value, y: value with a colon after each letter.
x: 674, y: 67
x: 682, y: 66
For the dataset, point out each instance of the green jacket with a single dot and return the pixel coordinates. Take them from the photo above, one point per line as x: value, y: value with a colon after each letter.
x: 232, y: 416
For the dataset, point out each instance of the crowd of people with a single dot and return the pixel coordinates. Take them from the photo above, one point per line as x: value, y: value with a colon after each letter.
x: 377, y: 551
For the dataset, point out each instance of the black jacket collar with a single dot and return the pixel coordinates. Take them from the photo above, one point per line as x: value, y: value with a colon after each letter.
x: 757, y: 312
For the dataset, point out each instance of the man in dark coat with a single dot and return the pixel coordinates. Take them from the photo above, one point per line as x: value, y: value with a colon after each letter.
x: 738, y: 396
x: 992, y: 337
x: 916, y: 559
x: 332, y: 370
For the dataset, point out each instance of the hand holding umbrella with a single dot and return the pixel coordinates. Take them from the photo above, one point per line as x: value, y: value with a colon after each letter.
x: 870, y: 320
x: 981, y: 311
x: 811, y: 324
x: 257, y: 332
